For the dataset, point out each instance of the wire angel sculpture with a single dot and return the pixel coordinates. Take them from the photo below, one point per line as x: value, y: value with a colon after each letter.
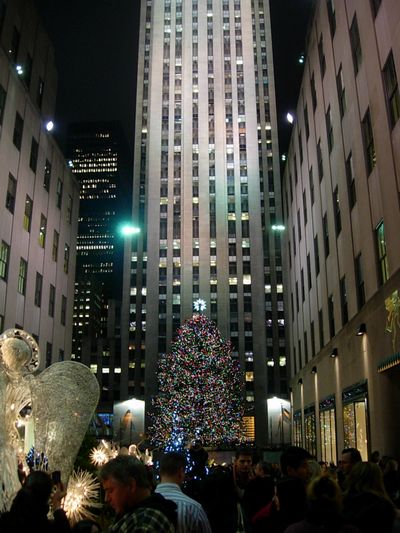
x: 62, y: 398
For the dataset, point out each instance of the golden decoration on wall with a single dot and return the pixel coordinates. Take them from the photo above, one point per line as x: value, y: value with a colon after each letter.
x: 392, y: 305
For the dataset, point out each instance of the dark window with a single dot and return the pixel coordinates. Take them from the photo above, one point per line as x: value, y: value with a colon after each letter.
x: 18, y: 129
x: 306, y: 123
x: 54, y: 252
x: 312, y: 339
x: 303, y: 292
x: 2, y: 17
x: 341, y: 91
x: 321, y: 55
x: 336, y: 211
x: 14, y: 45
x: 34, y: 154
x: 63, y: 310
x: 66, y: 258
x: 359, y: 282
x: 49, y: 353
x: 163, y: 228
x: 59, y: 193
x: 326, y: 234
x: 343, y: 301
x: 391, y: 90
x: 298, y: 224
x: 69, y: 209
x: 3, y: 95
x: 42, y: 230
x: 300, y: 148
x: 351, y: 186
x: 39, y: 94
x: 11, y: 193
x: 309, y: 278
x: 329, y: 128
x: 28, y: 213
x: 321, y: 329
x: 23, y: 270
x: 320, y: 162
x: 369, y: 145
x: 332, y: 16
x: 331, y: 315
x: 305, y: 208
x: 47, y: 175
x: 28, y: 70
x: 4, y: 259
x: 375, y: 5
x: 355, y: 45
x: 316, y: 255
x: 38, y: 289
x: 52, y: 300
x: 313, y: 92
x: 311, y: 186
x: 383, y: 269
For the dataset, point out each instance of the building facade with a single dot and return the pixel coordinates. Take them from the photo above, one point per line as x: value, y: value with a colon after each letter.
x: 38, y: 194
x: 341, y: 204
x: 206, y: 194
x: 100, y: 160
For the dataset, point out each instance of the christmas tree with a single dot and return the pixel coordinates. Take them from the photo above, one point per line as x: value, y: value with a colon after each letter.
x: 200, y: 394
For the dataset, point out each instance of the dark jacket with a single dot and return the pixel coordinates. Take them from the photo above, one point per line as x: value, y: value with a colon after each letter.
x: 29, y: 514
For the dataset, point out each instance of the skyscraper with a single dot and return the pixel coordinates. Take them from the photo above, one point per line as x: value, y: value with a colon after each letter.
x: 101, y: 162
x: 206, y: 193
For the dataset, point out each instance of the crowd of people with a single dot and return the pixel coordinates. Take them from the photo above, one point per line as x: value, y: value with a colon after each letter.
x: 300, y: 495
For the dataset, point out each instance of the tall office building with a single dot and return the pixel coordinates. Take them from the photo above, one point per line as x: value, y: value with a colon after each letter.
x: 101, y: 161
x: 342, y: 212
x: 206, y: 193
x: 39, y: 197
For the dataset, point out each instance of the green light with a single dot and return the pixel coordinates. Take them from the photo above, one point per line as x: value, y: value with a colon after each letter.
x: 128, y: 230
x: 278, y: 227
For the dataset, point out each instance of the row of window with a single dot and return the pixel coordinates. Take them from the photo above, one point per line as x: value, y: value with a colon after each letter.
x: 22, y: 280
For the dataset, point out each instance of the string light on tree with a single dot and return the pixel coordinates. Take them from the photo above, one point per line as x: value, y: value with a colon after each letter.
x: 200, y: 391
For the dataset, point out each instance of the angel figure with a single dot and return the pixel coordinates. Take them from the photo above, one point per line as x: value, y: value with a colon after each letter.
x: 19, y: 357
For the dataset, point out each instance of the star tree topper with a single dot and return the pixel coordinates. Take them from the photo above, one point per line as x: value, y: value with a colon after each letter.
x: 199, y: 305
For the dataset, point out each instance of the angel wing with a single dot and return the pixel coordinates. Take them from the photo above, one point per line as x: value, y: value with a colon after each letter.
x: 64, y: 398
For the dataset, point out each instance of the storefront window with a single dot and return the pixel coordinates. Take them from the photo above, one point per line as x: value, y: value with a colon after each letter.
x: 355, y: 418
x: 297, y: 429
x: 328, y: 436
x: 310, y: 430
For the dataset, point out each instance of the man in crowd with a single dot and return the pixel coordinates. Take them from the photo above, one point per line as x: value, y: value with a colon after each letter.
x: 350, y: 457
x: 127, y: 489
x: 191, y: 515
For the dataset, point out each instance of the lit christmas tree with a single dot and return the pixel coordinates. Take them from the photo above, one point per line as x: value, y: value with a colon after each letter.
x: 200, y: 392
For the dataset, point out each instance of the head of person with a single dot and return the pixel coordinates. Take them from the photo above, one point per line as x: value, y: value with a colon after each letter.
x: 375, y: 457
x: 172, y: 467
x: 315, y: 469
x: 243, y: 461
x: 366, y: 477
x: 295, y: 463
x: 125, y: 482
x: 39, y: 485
x: 350, y: 457
x: 324, y: 500
x: 262, y: 469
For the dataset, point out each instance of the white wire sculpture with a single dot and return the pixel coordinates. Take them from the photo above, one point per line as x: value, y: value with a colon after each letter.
x: 63, y: 398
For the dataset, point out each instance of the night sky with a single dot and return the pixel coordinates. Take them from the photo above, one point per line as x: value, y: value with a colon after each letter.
x: 96, y: 41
